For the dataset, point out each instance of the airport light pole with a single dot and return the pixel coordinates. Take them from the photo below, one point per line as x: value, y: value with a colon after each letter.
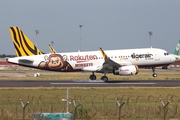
x: 80, y: 26
x: 67, y: 100
x: 52, y: 42
x: 37, y: 32
x: 150, y: 33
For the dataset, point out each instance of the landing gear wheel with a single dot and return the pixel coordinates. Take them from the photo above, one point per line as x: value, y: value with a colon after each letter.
x: 104, y: 78
x: 154, y: 75
x: 153, y: 70
x: 92, y: 77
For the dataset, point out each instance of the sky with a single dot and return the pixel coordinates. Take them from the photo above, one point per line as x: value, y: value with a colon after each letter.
x: 110, y: 24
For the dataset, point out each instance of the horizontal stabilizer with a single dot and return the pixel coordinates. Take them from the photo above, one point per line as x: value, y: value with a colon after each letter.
x: 52, y: 49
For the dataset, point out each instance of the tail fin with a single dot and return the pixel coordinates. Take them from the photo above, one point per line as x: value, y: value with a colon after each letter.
x: 176, y: 51
x: 23, y: 45
x: 51, y: 49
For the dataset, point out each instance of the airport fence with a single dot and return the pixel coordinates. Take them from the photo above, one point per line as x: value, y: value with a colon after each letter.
x: 97, y: 107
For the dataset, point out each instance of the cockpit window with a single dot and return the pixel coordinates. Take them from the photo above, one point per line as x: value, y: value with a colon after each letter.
x: 166, y: 54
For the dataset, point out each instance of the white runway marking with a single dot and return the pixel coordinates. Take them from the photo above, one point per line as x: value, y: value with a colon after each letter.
x: 104, y: 83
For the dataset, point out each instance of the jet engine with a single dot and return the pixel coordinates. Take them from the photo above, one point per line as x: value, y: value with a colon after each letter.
x: 126, y: 70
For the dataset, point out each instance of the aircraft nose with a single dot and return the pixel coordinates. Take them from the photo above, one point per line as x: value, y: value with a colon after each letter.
x: 172, y: 58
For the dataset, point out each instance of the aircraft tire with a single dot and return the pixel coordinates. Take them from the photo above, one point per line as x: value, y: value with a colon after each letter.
x: 154, y: 75
x: 92, y: 77
x: 104, y: 78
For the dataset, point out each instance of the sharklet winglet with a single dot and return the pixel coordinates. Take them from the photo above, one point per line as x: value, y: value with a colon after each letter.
x: 103, y: 53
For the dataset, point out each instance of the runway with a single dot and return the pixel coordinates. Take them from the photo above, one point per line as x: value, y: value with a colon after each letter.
x: 21, y: 80
x: 87, y: 83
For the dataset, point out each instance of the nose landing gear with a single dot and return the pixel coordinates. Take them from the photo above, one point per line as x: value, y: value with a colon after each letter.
x: 153, y: 70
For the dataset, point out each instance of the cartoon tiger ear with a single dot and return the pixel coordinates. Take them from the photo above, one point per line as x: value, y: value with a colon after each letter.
x: 64, y: 57
x: 46, y: 57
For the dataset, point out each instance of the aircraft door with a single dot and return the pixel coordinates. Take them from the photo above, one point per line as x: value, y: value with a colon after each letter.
x: 156, y: 55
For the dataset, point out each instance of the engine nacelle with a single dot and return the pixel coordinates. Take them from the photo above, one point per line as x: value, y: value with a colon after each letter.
x: 126, y: 70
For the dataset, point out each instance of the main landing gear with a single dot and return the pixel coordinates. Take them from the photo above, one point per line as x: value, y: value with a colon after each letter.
x: 104, y: 78
x: 93, y: 77
x: 153, y: 70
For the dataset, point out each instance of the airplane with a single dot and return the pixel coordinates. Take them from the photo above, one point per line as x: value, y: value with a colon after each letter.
x: 123, y: 62
x: 175, y: 54
x: 176, y: 51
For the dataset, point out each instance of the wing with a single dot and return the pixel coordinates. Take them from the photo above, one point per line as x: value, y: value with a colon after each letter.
x: 109, y: 64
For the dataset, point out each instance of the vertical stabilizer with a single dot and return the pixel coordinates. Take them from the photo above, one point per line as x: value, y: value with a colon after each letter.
x: 176, y: 51
x: 23, y: 45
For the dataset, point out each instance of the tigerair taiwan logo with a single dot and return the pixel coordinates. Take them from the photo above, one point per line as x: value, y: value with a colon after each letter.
x: 137, y: 57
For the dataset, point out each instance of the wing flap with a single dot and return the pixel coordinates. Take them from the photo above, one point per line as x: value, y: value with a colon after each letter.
x: 92, y: 69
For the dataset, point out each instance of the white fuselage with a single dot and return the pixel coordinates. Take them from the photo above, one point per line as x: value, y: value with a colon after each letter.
x: 93, y: 60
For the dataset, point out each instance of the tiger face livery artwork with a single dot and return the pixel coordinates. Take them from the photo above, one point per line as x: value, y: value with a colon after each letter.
x: 55, y: 62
